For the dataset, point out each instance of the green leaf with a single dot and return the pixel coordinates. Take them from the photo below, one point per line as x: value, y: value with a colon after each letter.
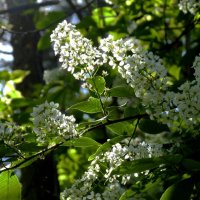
x: 30, y: 147
x: 140, y: 165
x: 127, y: 195
x: 93, y: 105
x: 48, y: 18
x: 10, y: 187
x: 81, y: 142
x: 44, y: 42
x: 4, y: 75
x: 104, y: 15
x: 180, y: 190
x: 11, y: 91
x: 3, y: 106
x: 130, y: 111
x: 121, y: 91
x: 18, y: 75
x: 104, y: 147
x: 152, y: 126
x: 121, y: 128
x: 85, y: 125
x: 175, y: 72
x: 21, y: 102
x: 5, y: 150
x: 98, y: 84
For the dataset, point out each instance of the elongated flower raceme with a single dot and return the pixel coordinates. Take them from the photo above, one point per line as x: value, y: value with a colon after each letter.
x: 83, y: 188
x: 77, y: 54
x: 10, y: 133
x: 50, y: 125
x: 145, y: 72
x: 141, y: 69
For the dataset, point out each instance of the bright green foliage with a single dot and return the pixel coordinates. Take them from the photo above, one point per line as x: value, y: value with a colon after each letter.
x: 121, y: 91
x: 93, y: 105
x: 121, y: 128
x: 10, y: 187
x: 82, y: 142
x: 98, y: 84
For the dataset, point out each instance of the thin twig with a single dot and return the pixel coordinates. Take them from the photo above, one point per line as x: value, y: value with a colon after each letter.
x: 3, y: 28
x: 28, y: 6
x: 140, y: 116
x: 134, y: 131
x: 45, y: 151
x: 78, y: 13
x: 187, y: 30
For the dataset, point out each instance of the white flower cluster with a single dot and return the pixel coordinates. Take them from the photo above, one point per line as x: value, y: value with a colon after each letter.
x: 183, y: 112
x: 145, y: 73
x: 77, y: 53
x: 141, y: 69
x: 10, y: 133
x: 180, y: 110
x: 51, y: 125
x: 189, y: 6
x: 84, y: 188
x: 196, y: 66
x: 121, y: 152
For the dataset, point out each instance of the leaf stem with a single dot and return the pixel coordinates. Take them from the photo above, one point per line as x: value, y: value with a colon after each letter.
x: 140, y: 116
x: 138, y: 119
x: 45, y: 151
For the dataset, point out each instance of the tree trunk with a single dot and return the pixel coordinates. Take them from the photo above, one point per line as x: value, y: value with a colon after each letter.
x: 39, y: 180
x: 24, y: 44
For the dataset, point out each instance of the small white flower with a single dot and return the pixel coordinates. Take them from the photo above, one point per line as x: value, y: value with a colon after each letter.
x: 10, y: 133
x: 189, y: 6
x: 49, y: 122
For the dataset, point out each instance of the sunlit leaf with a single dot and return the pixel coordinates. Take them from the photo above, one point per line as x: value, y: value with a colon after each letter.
x: 4, y: 75
x: 10, y: 90
x: 104, y: 16
x: 10, y: 187
x: 98, y: 84
x: 175, y: 72
x: 81, y: 142
x: 127, y: 194
x: 93, y: 105
x: 18, y: 75
x: 121, y: 128
x: 121, y: 91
